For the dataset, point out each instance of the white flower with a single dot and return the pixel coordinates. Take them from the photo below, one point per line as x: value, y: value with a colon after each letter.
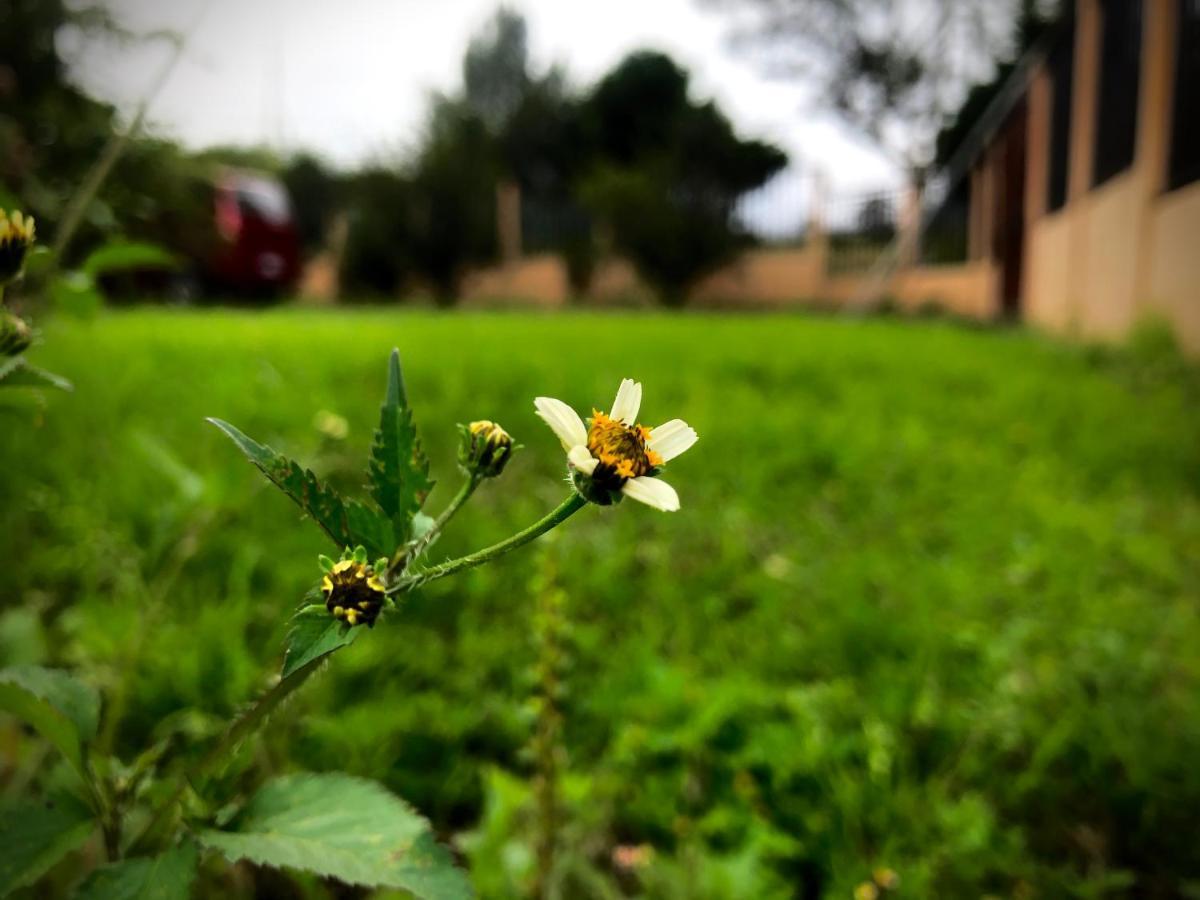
x: 615, y: 454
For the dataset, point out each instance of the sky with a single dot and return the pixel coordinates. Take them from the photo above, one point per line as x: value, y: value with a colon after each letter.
x: 349, y: 79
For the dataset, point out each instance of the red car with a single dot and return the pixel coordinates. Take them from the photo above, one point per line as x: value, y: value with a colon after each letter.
x: 257, y: 250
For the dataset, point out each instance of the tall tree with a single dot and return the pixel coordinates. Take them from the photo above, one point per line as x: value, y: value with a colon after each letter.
x: 667, y: 172
x: 895, y: 70
x: 496, y: 69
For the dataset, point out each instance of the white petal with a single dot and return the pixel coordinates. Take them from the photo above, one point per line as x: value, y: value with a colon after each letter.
x: 563, y: 421
x: 653, y: 492
x: 672, y: 438
x: 582, y: 459
x: 629, y: 401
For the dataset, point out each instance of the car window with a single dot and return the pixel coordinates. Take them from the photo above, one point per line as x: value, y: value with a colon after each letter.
x: 266, y: 199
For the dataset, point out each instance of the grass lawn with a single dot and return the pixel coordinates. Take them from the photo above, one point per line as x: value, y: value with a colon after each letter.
x: 931, y: 602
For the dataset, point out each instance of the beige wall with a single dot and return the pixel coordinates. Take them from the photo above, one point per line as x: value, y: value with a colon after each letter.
x: 1173, y: 283
x: 1124, y: 250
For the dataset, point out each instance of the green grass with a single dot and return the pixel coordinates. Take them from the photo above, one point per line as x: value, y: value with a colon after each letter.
x: 931, y: 601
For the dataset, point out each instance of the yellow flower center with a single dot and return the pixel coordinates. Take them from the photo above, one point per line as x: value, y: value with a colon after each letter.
x: 620, y: 448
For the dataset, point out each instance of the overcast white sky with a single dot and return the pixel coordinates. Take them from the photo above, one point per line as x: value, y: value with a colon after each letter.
x: 349, y: 78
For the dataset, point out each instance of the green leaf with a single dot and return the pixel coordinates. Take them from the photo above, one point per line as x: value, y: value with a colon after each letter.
x: 122, y: 256
x: 341, y: 827
x: 34, y: 836
x: 168, y: 876
x: 346, y: 524
x: 18, y: 372
x: 398, y: 469
x: 63, y: 710
x: 315, y: 633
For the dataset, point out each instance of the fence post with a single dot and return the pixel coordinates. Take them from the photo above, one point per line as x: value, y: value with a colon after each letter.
x: 817, y: 238
x: 910, y: 227
x: 508, y: 221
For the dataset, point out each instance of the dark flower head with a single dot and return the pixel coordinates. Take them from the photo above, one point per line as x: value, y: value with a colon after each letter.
x: 353, y: 592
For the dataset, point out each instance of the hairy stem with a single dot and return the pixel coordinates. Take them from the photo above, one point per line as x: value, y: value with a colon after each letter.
x: 556, y: 517
x: 406, y: 554
x: 239, y: 729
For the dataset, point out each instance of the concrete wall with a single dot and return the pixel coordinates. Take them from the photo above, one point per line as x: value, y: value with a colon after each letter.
x: 1173, y: 281
x: 1125, y: 249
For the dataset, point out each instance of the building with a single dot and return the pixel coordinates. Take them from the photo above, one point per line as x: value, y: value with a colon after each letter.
x: 1085, y: 203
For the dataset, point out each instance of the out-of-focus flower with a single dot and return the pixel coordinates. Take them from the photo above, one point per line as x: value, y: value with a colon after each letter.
x: 15, y: 334
x: 485, y: 448
x: 866, y: 891
x: 886, y: 878
x: 613, y: 456
x: 16, y: 237
x: 632, y: 856
x: 353, y: 592
x: 331, y: 425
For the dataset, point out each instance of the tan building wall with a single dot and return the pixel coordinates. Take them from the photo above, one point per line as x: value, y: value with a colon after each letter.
x: 1125, y: 249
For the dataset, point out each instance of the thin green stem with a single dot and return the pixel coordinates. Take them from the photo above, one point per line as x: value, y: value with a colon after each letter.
x: 413, y: 551
x: 240, y: 728
x: 556, y: 517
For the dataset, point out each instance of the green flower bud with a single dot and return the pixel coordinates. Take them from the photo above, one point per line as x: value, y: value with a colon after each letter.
x: 15, y: 334
x: 16, y: 237
x: 485, y: 449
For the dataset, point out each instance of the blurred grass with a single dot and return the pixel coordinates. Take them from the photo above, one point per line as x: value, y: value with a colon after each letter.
x: 931, y: 601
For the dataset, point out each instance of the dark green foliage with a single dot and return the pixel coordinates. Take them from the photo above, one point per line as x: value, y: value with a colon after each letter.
x: 453, y: 198
x: 667, y: 172
x: 316, y: 194
x: 314, y: 634
x: 167, y: 876
x: 341, y: 827
x: 34, y: 835
x: 61, y: 708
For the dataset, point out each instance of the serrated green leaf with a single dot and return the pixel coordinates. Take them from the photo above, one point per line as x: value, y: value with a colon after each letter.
x: 34, y: 836
x: 340, y: 520
x: 314, y: 633
x: 19, y: 372
x: 60, y: 708
x: 342, y: 827
x: 374, y: 532
x: 168, y: 876
x: 398, y: 469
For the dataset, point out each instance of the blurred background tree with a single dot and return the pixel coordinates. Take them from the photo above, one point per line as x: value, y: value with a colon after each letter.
x: 666, y: 173
x: 895, y: 72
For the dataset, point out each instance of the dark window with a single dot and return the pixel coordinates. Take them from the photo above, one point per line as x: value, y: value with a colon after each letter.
x: 1062, y: 61
x: 1184, y: 164
x: 1117, y: 103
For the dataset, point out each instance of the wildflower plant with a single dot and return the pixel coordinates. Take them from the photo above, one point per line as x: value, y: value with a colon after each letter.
x: 158, y: 820
x: 17, y: 235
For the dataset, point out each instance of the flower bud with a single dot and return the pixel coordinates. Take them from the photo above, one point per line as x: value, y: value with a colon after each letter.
x: 353, y: 592
x: 15, y: 334
x: 16, y: 237
x: 485, y: 449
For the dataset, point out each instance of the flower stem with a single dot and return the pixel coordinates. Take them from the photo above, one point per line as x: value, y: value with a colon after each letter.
x: 240, y: 728
x: 556, y: 517
x: 406, y: 554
